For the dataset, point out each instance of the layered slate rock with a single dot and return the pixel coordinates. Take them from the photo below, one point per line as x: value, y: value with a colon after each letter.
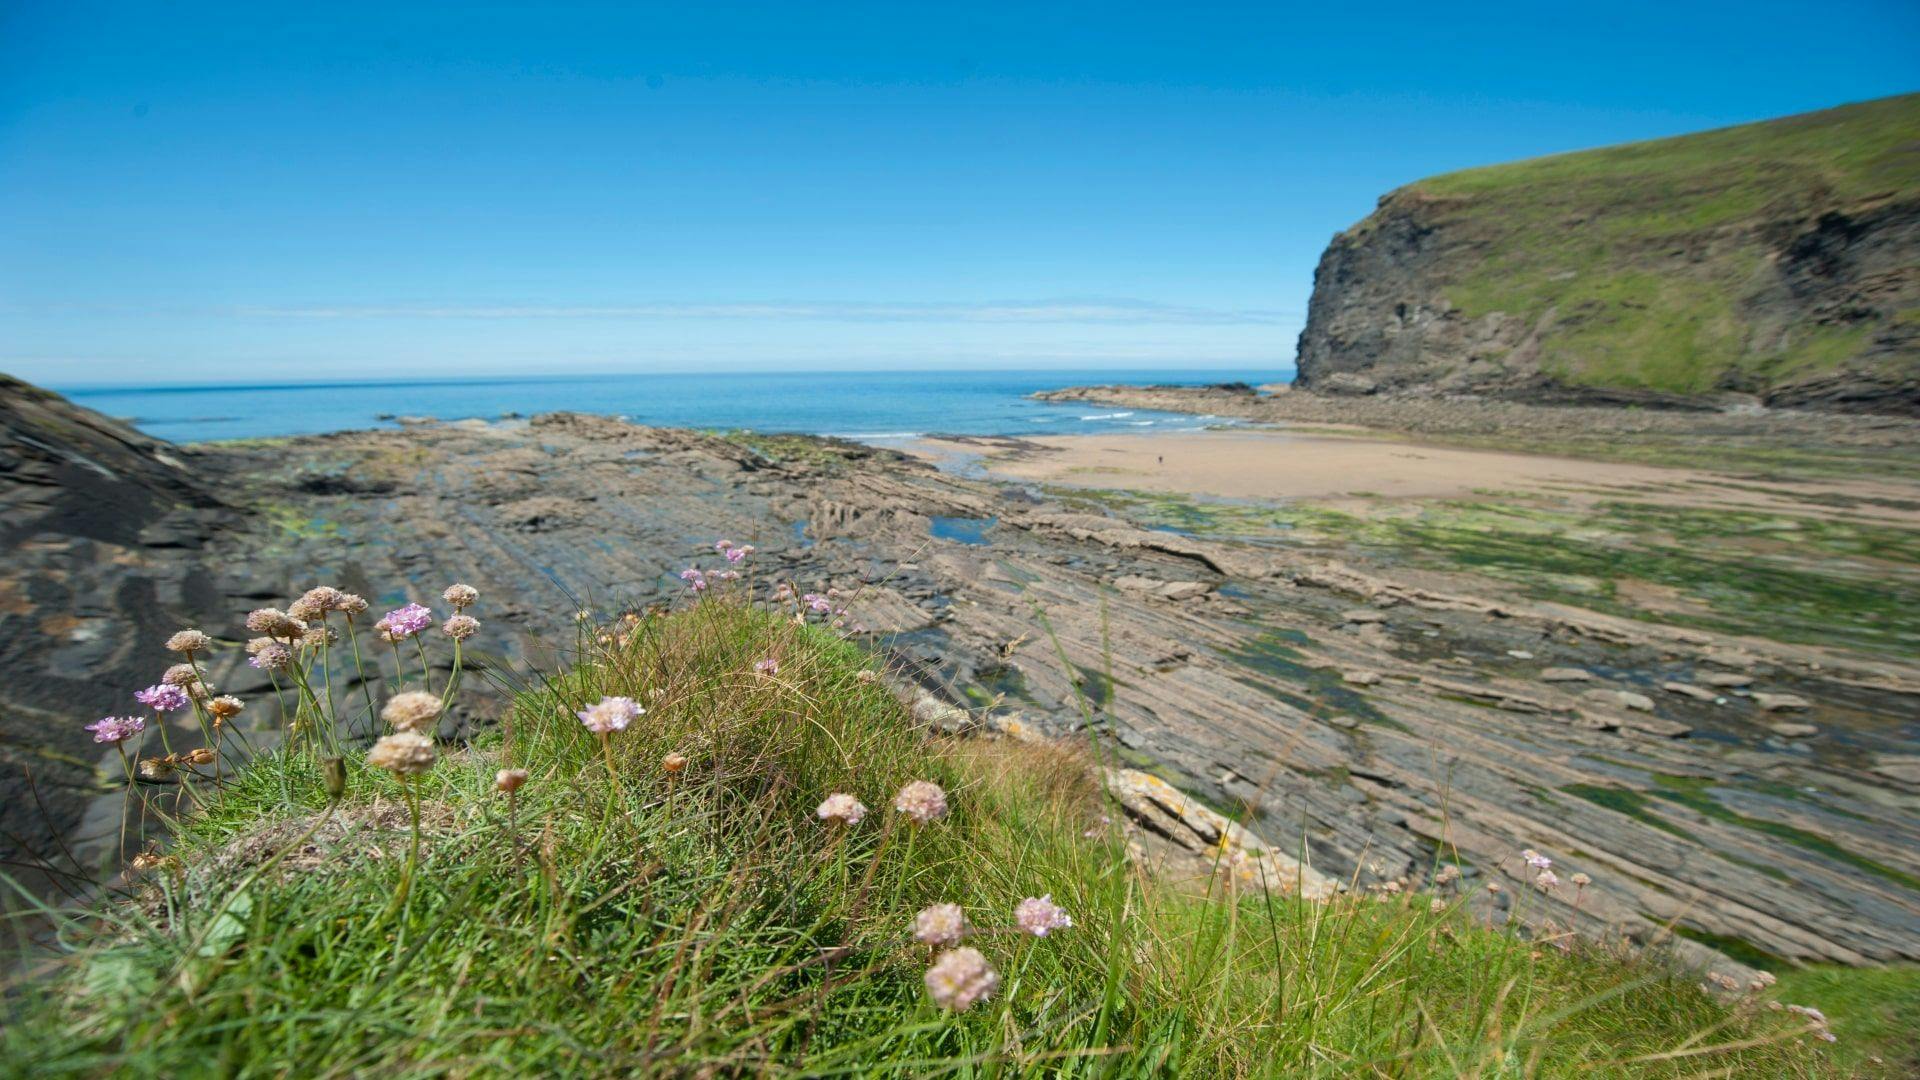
x: 1694, y: 814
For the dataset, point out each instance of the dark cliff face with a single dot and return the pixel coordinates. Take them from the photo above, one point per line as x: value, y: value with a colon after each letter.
x: 100, y: 530
x: 1778, y: 261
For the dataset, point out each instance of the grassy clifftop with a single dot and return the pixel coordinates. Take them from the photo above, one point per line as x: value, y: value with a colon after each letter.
x: 1777, y: 259
x: 666, y: 899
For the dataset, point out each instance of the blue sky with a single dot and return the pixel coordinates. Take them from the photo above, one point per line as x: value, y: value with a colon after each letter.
x: 211, y: 192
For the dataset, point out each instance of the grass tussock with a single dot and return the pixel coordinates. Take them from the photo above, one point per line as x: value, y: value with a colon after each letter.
x: 665, y: 900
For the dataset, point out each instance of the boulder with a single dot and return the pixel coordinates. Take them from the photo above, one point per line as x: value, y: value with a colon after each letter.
x: 1361, y: 678
x: 1780, y: 702
x: 1222, y: 845
x: 1697, y: 693
x: 1566, y: 674
x: 1793, y: 731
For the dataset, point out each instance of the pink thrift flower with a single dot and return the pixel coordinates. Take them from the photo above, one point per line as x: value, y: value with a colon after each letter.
x: 722, y: 545
x: 843, y: 808
x: 115, y: 729
x: 922, y: 801
x: 163, y: 698
x: 695, y: 578
x: 768, y: 666
x: 610, y: 714
x: 1547, y: 881
x: 959, y: 978
x: 1536, y: 860
x: 738, y: 554
x: 941, y: 924
x: 1040, y: 916
x: 407, y: 621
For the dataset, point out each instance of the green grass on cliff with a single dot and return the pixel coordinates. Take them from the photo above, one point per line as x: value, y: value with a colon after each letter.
x: 626, y: 921
x: 1645, y: 252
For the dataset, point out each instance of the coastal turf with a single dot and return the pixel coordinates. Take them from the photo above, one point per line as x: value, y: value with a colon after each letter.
x: 625, y: 919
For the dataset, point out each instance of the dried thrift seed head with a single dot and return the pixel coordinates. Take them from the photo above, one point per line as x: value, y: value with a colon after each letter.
x: 403, y: 753
x: 1581, y: 880
x: 268, y: 654
x: 274, y: 623
x: 414, y: 710
x: 203, y: 755
x: 1040, y: 916
x: 351, y: 604
x: 189, y: 642
x: 959, y: 978
x: 865, y: 676
x: 1436, y: 906
x: 317, y: 637
x: 941, y: 924
x: 225, y: 707
x: 921, y: 801
x: 842, y: 808
x: 154, y: 768
x: 460, y: 627
x: 1493, y: 886
x: 333, y: 772
x: 460, y: 596
x: 1547, y: 881
x: 673, y: 763
x: 508, y: 781
x: 306, y: 611
x: 180, y: 675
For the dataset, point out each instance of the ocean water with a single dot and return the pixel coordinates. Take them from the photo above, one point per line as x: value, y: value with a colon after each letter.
x: 870, y: 406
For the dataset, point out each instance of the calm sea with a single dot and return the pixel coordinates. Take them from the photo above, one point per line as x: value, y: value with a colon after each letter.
x: 861, y: 405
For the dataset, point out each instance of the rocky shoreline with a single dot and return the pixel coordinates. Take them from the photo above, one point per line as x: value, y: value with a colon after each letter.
x: 1364, y: 717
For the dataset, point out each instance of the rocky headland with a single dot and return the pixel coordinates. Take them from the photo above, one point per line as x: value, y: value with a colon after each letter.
x: 1773, y: 263
x: 1736, y: 793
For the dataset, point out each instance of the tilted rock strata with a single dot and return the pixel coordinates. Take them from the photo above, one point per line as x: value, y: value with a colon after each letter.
x: 1241, y: 698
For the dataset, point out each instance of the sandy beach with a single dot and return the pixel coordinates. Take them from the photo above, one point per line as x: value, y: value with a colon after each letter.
x: 1336, y: 469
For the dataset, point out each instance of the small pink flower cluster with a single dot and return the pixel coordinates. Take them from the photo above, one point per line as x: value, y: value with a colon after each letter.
x: 695, y: 578
x: 1040, y: 916
x: 843, y: 808
x: 610, y: 714
x: 961, y: 976
x: 404, y: 622
x: 922, y: 801
x: 163, y: 698
x: 117, y: 729
x: 767, y: 666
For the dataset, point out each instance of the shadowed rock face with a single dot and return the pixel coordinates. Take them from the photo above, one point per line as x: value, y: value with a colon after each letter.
x: 1220, y: 664
x: 1779, y: 261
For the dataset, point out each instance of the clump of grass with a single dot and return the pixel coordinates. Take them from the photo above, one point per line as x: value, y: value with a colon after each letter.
x: 669, y: 900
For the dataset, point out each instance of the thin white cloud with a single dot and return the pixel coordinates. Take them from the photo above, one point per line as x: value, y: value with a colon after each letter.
x: 1047, y: 311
